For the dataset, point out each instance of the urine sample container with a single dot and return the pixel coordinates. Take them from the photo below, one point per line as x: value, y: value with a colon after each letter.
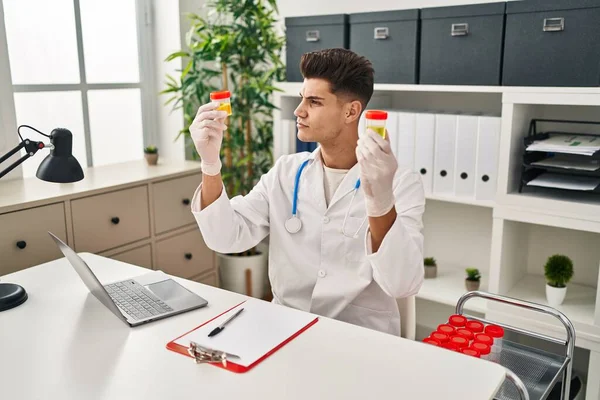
x: 474, y: 326
x: 375, y: 120
x: 432, y: 341
x: 439, y: 336
x: 470, y: 352
x: 447, y: 329
x: 457, y: 321
x: 449, y: 346
x: 459, y: 341
x: 467, y: 334
x: 497, y: 334
x: 224, y: 99
x: 483, y: 349
x: 483, y: 338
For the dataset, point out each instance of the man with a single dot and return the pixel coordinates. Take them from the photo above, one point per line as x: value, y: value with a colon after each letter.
x: 352, y: 247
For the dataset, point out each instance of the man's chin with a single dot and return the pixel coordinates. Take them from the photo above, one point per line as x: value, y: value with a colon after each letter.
x: 305, y: 136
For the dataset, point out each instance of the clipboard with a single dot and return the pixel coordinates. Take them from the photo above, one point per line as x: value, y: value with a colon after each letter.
x: 226, y: 358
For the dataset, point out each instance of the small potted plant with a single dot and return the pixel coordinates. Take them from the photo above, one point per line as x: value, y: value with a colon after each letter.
x: 430, y: 267
x: 151, y: 155
x: 473, y: 279
x: 558, y: 272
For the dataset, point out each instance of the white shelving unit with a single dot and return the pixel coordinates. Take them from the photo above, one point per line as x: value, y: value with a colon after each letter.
x: 509, y: 238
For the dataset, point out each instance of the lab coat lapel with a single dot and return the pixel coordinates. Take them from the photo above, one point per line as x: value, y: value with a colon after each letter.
x: 347, y: 186
x: 313, y: 181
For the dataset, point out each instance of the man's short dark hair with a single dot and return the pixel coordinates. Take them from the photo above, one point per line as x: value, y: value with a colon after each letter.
x: 347, y: 73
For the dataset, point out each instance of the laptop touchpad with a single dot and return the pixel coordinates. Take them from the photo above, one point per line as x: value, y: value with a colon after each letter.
x: 168, y: 290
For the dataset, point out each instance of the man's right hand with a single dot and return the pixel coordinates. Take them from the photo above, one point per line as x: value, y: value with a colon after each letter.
x: 207, y: 134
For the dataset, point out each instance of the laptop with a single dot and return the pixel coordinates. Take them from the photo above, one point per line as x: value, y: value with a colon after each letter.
x: 137, y: 300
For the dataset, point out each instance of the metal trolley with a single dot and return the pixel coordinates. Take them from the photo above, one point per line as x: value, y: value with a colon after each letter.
x: 531, y: 373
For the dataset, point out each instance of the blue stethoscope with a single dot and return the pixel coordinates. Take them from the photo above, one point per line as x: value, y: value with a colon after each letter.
x: 294, y: 224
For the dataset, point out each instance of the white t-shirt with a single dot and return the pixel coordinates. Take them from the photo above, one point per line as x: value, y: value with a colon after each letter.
x: 332, y: 179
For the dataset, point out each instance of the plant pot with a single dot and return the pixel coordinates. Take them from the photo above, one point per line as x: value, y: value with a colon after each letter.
x: 555, y: 296
x: 472, y: 285
x: 430, y: 272
x: 151, y: 158
x: 233, y: 275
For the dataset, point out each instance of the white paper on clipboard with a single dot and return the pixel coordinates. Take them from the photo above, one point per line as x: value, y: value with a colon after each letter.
x: 260, y: 328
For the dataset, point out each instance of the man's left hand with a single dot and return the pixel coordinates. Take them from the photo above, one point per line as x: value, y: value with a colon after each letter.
x: 378, y: 166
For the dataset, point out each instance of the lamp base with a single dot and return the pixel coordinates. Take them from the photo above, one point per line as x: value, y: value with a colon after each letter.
x: 11, y: 296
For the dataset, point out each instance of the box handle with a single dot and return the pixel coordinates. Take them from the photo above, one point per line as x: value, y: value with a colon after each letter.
x: 312, y: 36
x: 460, y: 29
x: 554, y: 24
x: 381, y: 33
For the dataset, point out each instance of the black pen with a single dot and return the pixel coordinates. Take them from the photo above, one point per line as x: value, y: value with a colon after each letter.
x: 219, y: 328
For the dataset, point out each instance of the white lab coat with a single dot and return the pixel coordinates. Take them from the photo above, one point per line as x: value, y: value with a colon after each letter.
x: 319, y: 269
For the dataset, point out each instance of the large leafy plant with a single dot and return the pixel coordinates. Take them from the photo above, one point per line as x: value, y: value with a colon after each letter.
x: 236, y: 48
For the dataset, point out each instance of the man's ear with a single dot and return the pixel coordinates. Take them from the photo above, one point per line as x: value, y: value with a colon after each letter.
x: 353, y: 110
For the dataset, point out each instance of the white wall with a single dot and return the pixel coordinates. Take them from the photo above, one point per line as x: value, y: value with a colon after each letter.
x: 294, y: 8
x: 167, y: 40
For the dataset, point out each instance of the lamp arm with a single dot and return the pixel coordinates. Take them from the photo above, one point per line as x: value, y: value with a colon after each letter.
x: 30, y: 146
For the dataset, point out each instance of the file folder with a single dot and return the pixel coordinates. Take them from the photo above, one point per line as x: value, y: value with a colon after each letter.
x: 405, y: 140
x: 261, y: 330
x: 445, y: 148
x: 487, y: 157
x: 466, y: 155
x: 424, y: 146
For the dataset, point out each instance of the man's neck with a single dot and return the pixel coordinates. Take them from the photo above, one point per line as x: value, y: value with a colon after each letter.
x: 340, y: 153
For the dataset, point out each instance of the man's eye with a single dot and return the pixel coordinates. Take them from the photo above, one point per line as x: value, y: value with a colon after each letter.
x: 314, y: 102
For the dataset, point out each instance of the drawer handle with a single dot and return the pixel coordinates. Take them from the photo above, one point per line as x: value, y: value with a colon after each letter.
x: 186, y: 202
x: 443, y: 173
x: 188, y: 256
x: 115, y: 220
x: 459, y: 30
x: 464, y: 175
x: 312, y: 36
x: 554, y: 24
x: 21, y: 244
x: 381, y: 33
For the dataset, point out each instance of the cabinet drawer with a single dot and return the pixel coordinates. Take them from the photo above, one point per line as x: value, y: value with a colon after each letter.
x: 208, y: 279
x: 24, y: 239
x: 172, y: 202
x: 141, y: 256
x: 111, y: 220
x: 184, y: 255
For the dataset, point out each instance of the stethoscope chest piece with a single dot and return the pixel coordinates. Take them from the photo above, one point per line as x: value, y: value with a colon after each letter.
x: 293, y: 224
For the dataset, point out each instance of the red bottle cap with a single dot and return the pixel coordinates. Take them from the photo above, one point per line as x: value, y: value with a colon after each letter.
x: 376, y: 114
x: 474, y: 326
x: 467, y: 334
x: 459, y: 341
x: 224, y: 94
x: 470, y: 352
x: 482, y: 348
x: 447, y: 329
x: 432, y: 341
x: 483, y: 338
x: 494, y: 331
x: 439, y: 336
x: 450, y: 346
x: 457, y: 320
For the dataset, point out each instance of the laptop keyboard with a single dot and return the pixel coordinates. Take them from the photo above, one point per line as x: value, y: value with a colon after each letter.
x: 136, y: 300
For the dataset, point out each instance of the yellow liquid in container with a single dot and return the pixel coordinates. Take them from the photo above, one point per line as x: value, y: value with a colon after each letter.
x: 225, y: 107
x: 380, y: 130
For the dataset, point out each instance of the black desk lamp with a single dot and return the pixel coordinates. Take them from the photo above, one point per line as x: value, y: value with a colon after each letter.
x: 59, y: 166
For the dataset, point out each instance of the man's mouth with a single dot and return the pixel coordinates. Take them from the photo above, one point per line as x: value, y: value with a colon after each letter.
x: 301, y: 125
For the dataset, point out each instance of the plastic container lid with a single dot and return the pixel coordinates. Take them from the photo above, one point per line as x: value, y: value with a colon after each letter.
x: 474, y: 326
x: 494, y: 331
x: 224, y: 94
x: 467, y: 334
x: 470, y: 352
x: 450, y: 346
x: 447, y: 329
x: 459, y: 341
x: 375, y: 114
x: 457, y: 320
x: 441, y: 337
x: 432, y: 341
x: 483, y: 338
x: 482, y: 348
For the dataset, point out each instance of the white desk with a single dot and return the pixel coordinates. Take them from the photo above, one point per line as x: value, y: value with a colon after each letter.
x: 62, y: 343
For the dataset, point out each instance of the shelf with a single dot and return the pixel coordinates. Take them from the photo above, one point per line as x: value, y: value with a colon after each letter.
x: 448, y: 287
x: 579, y: 304
x: 293, y: 88
x: 462, y: 200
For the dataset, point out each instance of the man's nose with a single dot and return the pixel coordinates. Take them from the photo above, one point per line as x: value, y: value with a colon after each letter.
x: 299, y: 111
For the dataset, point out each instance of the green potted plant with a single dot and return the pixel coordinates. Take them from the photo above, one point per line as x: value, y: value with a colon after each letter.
x: 473, y: 279
x: 558, y: 272
x: 151, y: 155
x: 237, y: 47
x: 430, y: 267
